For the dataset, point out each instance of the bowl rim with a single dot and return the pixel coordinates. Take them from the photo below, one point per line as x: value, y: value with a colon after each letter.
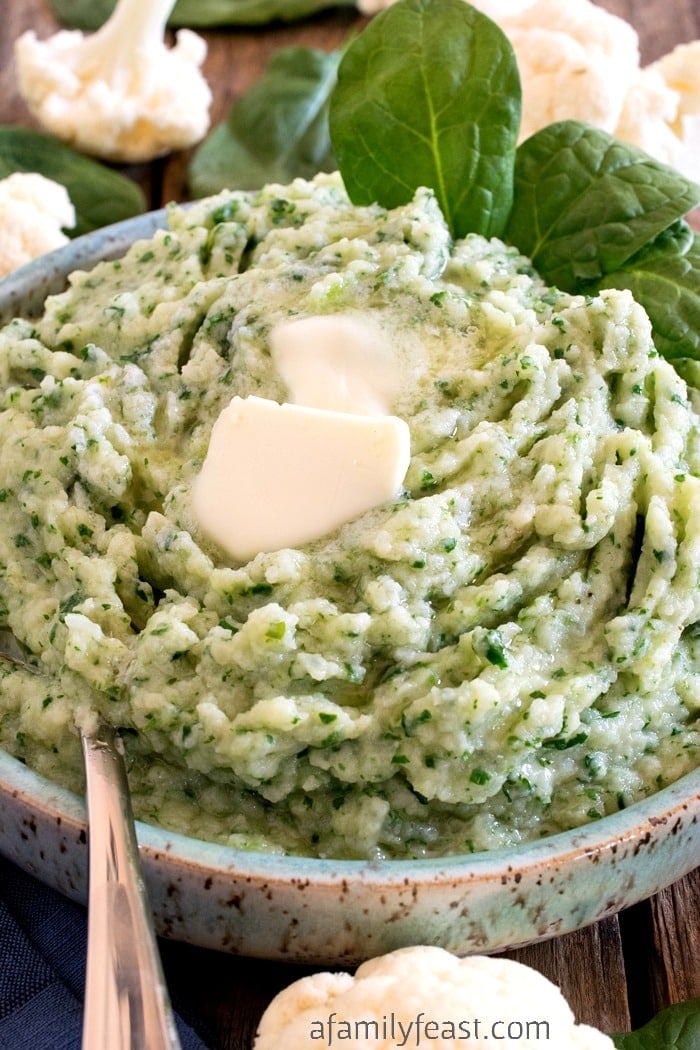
x: 48, y: 274
x: 611, y: 832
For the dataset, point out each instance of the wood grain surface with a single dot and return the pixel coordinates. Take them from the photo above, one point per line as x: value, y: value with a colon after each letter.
x: 615, y: 974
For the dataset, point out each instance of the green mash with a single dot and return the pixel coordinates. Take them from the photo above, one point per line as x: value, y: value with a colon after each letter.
x: 509, y: 649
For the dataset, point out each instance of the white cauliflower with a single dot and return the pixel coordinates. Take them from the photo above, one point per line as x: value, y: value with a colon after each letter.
x: 576, y: 61
x: 34, y: 211
x: 680, y: 70
x: 648, y: 115
x: 580, y: 62
x: 425, y: 996
x: 119, y: 93
x: 661, y: 113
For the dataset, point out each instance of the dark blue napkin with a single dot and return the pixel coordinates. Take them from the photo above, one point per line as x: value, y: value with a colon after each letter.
x: 43, y: 939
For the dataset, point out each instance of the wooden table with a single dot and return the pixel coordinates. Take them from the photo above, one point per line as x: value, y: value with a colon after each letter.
x: 615, y: 974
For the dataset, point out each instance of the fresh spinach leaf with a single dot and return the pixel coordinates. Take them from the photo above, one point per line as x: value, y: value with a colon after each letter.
x: 429, y: 95
x: 676, y: 1028
x: 100, y: 195
x: 689, y: 369
x: 276, y: 132
x: 585, y: 203
x: 90, y: 14
x: 82, y: 14
x: 665, y: 278
x: 247, y: 12
x: 677, y: 239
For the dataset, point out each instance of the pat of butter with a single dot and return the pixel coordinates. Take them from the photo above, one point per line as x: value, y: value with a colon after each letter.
x: 282, y: 475
x: 337, y: 361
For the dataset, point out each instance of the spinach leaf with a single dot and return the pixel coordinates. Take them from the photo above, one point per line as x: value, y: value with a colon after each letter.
x: 90, y: 14
x: 276, y: 132
x: 429, y: 95
x: 82, y: 14
x: 247, y: 12
x: 676, y: 1028
x: 664, y: 277
x: 585, y: 203
x: 100, y: 195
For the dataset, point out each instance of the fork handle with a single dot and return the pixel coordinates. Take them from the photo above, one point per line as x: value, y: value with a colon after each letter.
x: 126, y: 1001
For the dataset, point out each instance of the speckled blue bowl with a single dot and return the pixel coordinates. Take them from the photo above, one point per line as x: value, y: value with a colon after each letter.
x: 340, y: 912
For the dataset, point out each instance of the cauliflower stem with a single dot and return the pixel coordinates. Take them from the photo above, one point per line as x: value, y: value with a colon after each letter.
x: 135, y: 30
x: 120, y: 94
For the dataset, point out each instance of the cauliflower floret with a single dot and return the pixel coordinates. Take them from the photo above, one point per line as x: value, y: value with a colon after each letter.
x: 445, y: 1001
x: 661, y: 113
x: 34, y: 211
x: 680, y: 70
x: 578, y: 61
x: 120, y: 93
x: 647, y: 116
x: 575, y: 59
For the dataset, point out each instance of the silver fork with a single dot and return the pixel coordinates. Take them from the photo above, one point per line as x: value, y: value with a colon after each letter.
x: 127, y: 1006
x: 126, y: 1000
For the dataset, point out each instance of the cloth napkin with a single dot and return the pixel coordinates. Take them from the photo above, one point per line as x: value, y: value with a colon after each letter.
x: 43, y: 940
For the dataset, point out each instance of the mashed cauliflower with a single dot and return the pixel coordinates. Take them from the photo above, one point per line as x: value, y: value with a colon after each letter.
x: 507, y: 649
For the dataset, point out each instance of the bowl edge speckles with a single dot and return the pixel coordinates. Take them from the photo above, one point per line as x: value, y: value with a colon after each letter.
x: 339, y: 912
x: 326, y: 912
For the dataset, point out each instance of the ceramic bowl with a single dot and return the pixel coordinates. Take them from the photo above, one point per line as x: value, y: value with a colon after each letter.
x: 340, y: 912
